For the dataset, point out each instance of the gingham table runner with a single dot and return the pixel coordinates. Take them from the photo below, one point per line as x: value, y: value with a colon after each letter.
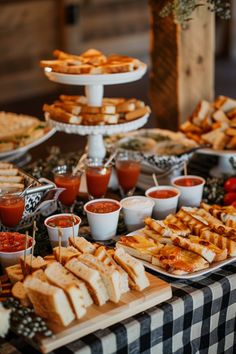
x: 199, y: 318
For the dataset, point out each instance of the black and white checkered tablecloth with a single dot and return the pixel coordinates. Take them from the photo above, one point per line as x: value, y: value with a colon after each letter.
x: 199, y: 318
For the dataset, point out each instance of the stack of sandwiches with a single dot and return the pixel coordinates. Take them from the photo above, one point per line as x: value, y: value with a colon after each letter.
x: 213, y: 123
x: 186, y: 242
x: 75, y: 110
x: 91, y: 62
x: 62, y: 286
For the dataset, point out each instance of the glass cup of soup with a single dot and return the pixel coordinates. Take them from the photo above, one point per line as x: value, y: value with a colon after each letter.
x: 64, y: 178
x: 67, y: 223
x: 12, y: 206
x: 127, y: 170
x: 166, y: 200
x: 103, y: 216
x: 135, y: 210
x: 191, y: 189
x: 97, y: 178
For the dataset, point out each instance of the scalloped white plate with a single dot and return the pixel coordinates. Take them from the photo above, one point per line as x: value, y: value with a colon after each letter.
x: 103, y: 79
x: 214, y: 266
x: 97, y: 129
x: 221, y: 153
x: 25, y: 148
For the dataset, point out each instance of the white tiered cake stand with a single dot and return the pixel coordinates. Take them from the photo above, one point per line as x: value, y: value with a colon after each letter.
x: 94, y: 93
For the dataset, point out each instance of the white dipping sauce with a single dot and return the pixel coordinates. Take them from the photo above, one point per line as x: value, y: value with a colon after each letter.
x: 137, y: 203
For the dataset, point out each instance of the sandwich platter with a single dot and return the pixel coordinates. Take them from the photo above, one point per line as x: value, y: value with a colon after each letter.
x: 213, y: 267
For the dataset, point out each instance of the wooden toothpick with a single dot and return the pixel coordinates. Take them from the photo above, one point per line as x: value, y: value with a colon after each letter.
x: 185, y: 168
x: 73, y: 228
x: 59, y: 241
x: 26, y: 246
x: 155, y: 179
x: 33, y: 237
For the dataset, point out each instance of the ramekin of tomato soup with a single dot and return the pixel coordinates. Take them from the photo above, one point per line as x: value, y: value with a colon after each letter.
x: 12, y: 246
x: 64, y: 226
x: 103, y: 215
x: 166, y: 200
x: 191, y: 189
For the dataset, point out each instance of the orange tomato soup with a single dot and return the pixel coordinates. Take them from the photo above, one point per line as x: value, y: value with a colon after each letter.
x: 102, y: 207
x: 162, y: 194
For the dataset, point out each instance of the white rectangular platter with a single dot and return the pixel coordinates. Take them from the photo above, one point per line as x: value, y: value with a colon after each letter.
x: 99, y: 317
x: 212, y: 267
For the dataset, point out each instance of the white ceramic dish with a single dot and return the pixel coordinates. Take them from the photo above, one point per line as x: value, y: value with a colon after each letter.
x: 163, y: 206
x: 103, y: 79
x: 135, y: 210
x: 25, y: 148
x: 214, y: 266
x: 66, y: 231
x: 103, y: 225
x: 10, y: 258
x: 189, y: 195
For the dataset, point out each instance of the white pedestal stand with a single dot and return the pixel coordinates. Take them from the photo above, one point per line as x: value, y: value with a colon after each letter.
x: 94, y: 93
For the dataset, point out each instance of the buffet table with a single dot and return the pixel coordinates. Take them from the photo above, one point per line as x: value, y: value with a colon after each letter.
x: 199, y: 316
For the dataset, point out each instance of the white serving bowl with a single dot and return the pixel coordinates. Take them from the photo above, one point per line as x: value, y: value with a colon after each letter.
x: 135, y: 210
x: 103, y: 225
x: 163, y: 206
x: 66, y: 231
x: 189, y: 195
x: 10, y: 258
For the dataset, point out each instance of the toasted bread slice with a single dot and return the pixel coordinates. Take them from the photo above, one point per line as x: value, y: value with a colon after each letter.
x: 92, y: 279
x: 155, y: 236
x: 82, y: 245
x: 15, y: 273
x: 134, y: 268
x: 102, y: 254
x: 215, y: 224
x: 39, y: 274
x: 37, y: 263
x: 224, y: 103
x: 220, y: 254
x: 59, y: 276
x: 109, y: 275
x: 220, y: 241
x: 179, y: 261
x: 194, y: 224
x: 158, y: 226
x: 62, y: 116
x: 18, y: 291
x: 198, y: 248
x: 177, y: 225
x: 64, y: 254
x: 139, y: 247
x: 49, y: 301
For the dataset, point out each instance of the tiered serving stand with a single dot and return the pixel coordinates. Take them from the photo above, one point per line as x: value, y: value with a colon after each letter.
x: 94, y: 85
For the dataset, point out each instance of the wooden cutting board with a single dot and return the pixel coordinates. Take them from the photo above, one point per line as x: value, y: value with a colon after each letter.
x: 101, y: 317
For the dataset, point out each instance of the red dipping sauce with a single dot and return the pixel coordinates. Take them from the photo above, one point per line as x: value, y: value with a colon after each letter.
x: 63, y: 221
x: 71, y: 184
x: 127, y: 172
x: 11, y: 209
x: 102, y: 207
x: 13, y: 242
x: 188, y: 181
x: 97, y: 178
x: 162, y: 194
